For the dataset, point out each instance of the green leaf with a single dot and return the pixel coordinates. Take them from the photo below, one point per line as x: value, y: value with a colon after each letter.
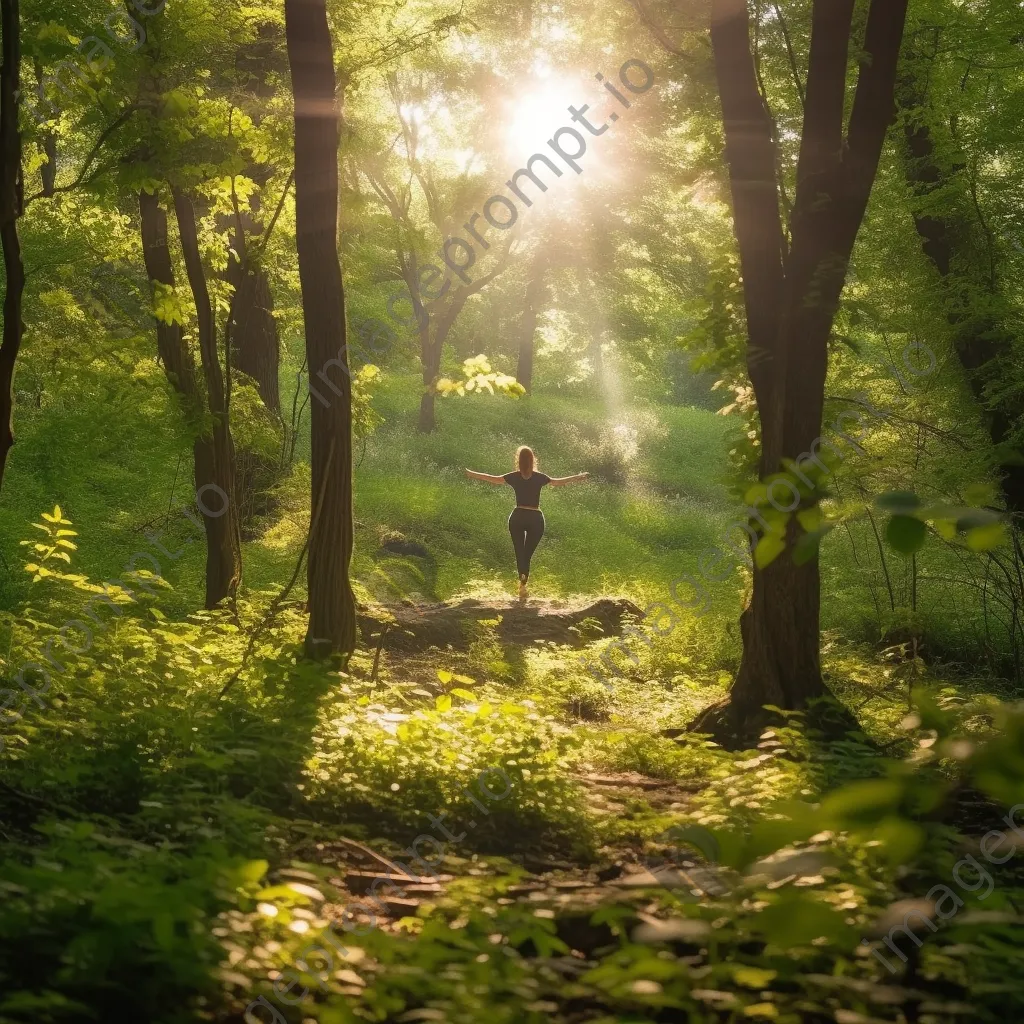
x: 443, y: 703
x: 753, y: 977
x: 861, y: 803
x: 445, y: 677
x: 464, y: 694
x: 757, y: 495
x: 806, y: 548
x: 252, y: 871
x: 906, y: 534
x: 900, y: 839
x: 980, y: 494
x: 810, y: 519
x: 986, y: 538
x: 899, y: 502
x: 975, y: 518
x: 769, y: 547
x: 799, y: 920
x: 163, y: 930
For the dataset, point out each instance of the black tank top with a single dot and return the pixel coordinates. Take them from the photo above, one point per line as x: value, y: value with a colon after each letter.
x: 527, y: 491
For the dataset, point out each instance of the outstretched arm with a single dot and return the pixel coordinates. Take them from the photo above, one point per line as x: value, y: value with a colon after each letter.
x: 486, y: 477
x: 559, y: 481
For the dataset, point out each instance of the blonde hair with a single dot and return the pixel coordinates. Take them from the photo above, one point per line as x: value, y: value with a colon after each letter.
x: 526, y: 461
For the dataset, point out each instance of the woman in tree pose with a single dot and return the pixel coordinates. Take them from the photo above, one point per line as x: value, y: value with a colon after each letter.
x: 526, y: 523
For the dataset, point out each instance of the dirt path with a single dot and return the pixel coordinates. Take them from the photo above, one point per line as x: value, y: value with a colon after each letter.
x: 566, y: 892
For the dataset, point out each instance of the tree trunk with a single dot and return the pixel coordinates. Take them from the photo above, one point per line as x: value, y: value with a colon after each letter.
x: 11, y: 206
x: 535, y: 293
x: 595, y: 353
x: 427, y: 422
x: 433, y: 334
x: 254, y: 337
x: 431, y: 357
x: 332, y: 620
x: 180, y: 370
x: 255, y: 349
x: 792, y: 299
x: 431, y: 347
x: 48, y: 171
x: 975, y: 307
x: 217, y: 463
x: 174, y: 353
x: 524, y: 368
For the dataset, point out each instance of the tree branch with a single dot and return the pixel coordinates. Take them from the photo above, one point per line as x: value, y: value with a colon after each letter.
x: 781, y: 18
x: 97, y: 146
x: 821, y: 147
x: 873, y: 103
x: 655, y: 29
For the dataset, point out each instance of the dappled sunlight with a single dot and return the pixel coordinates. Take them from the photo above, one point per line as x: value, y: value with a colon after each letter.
x: 484, y: 540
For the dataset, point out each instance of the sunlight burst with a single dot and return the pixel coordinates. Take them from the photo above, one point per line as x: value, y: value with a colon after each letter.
x: 536, y: 115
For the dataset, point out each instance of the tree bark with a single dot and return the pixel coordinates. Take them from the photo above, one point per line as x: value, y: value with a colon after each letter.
x: 217, y: 461
x: 254, y: 336
x: 48, y: 171
x: 975, y: 306
x: 535, y: 294
x: 427, y: 422
x: 792, y: 298
x: 11, y: 207
x: 255, y: 342
x: 174, y: 353
x: 180, y: 370
x: 332, y: 619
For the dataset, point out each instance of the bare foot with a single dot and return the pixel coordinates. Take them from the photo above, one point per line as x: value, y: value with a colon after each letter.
x: 522, y: 593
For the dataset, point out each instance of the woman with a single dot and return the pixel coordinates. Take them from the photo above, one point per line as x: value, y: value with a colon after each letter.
x: 526, y: 523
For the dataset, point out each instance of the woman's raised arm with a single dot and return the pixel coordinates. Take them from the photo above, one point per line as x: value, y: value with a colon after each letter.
x: 561, y: 480
x: 486, y: 477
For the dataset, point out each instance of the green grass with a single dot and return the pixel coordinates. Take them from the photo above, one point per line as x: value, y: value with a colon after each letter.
x: 113, y: 473
x: 601, y: 536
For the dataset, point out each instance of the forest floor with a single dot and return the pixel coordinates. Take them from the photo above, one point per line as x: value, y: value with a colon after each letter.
x: 558, y: 851
x: 594, y: 922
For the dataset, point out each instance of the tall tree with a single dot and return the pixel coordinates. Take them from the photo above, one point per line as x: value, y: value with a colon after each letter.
x: 332, y: 620
x: 955, y: 238
x: 159, y: 155
x: 792, y: 294
x: 223, y: 562
x: 436, y: 307
x: 533, y: 300
x: 11, y: 204
x: 255, y: 340
x: 224, y: 549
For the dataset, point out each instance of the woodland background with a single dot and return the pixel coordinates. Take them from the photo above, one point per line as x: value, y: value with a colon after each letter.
x: 208, y: 768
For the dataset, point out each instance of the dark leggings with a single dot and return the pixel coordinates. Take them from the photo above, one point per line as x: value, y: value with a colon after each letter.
x: 527, y: 527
